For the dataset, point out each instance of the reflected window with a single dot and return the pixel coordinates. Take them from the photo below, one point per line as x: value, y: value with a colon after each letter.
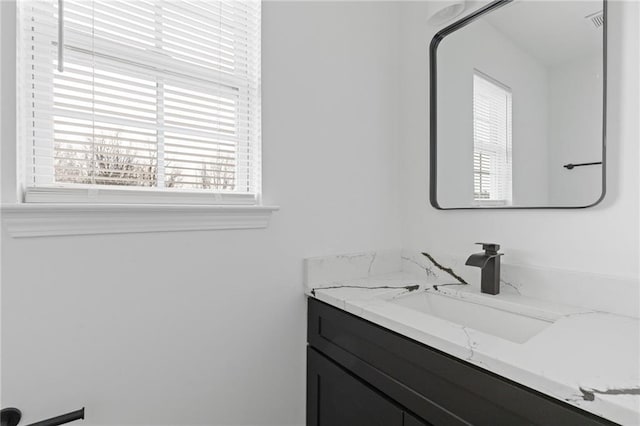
x: 492, y: 176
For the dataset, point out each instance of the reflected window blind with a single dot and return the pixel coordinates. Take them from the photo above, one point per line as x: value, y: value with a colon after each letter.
x: 492, y: 175
x: 160, y: 95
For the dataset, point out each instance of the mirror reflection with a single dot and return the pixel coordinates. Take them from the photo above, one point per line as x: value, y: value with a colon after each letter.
x: 519, y: 107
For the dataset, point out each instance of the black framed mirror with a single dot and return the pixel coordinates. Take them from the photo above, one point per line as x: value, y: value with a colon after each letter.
x: 518, y: 107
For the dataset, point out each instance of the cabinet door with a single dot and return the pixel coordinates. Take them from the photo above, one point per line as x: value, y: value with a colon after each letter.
x: 409, y: 420
x: 336, y: 398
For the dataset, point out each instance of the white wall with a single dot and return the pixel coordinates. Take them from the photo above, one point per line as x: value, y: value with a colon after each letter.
x: 480, y: 46
x: 603, y: 239
x: 7, y: 104
x: 209, y: 327
x: 575, y: 131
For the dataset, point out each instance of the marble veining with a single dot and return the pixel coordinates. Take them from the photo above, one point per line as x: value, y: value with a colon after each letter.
x: 605, y: 293
x: 426, y: 269
x: 587, y: 357
x: 589, y: 394
x: 511, y: 285
x: 325, y: 271
x: 444, y: 268
x: 408, y: 288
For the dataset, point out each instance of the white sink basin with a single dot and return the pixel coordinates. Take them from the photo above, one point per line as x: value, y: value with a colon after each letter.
x: 511, y: 326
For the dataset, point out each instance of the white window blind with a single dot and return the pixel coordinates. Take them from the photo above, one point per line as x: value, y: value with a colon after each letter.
x: 492, y: 176
x: 161, y: 96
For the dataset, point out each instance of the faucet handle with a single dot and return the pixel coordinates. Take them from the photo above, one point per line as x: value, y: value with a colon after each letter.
x: 491, y: 248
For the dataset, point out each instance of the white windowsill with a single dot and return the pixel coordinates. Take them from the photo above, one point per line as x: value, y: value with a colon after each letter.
x: 52, y: 219
x: 80, y: 194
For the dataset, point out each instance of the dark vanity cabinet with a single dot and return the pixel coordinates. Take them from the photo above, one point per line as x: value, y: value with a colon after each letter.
x: 361, y: 374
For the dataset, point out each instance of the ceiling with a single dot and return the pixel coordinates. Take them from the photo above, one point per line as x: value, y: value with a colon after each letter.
x: 551, y: 31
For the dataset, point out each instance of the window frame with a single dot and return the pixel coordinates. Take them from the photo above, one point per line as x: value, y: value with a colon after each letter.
x: 93, y: 217
x: 56, y: 192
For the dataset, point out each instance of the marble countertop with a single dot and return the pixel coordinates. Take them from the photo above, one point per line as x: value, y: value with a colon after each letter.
x: 585, y: 357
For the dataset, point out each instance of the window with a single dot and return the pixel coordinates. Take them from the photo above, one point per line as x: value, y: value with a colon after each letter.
x: 140, y: 97
x: 491, y: 141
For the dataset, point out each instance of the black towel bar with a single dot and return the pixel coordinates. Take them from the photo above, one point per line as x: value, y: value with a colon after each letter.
x: 59, y: 420
x: 571, y: 166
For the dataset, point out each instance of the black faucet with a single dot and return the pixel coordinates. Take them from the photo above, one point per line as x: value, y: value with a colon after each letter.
x: 489, y: 262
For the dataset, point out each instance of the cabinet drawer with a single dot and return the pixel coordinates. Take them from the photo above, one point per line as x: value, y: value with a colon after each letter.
x: 437, y: 387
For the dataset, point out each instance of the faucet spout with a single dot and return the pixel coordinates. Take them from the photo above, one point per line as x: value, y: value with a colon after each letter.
x: 478, y: 260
